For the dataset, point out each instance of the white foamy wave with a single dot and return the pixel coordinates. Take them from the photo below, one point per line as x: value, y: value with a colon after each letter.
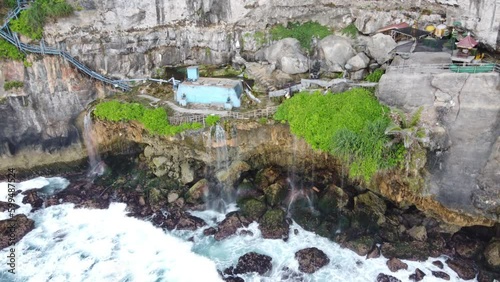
x: 344, y: 265
x: 49, y: 186
x: 103, y: 245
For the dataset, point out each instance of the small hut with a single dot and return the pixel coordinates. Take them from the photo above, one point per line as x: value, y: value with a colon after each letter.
x: 466, y: 46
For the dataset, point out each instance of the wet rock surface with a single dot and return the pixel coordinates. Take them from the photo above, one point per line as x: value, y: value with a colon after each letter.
x: 274, y: 225
x: 14, y: 229
x: 386, y: 278
x: 31, y: 197
x: 230, y: 225
x: 395, y: 264
x: 464, y: 268
x: 441, y: 274
x: 251, y: 262
x: 417, y: 276
x: 311, y: 259
x: 5, y: 206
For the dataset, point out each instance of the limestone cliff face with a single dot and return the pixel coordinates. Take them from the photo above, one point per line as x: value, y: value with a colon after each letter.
x: 39, y: 120
x: 133, y: 38
x: 462, y: 112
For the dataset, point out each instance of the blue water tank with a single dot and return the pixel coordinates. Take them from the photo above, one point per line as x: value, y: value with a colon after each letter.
x: 193, y: 73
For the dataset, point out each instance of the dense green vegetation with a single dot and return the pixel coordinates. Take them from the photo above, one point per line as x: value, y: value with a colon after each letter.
x: 351, y: 30
x: 375, y: 75
x: 302, y: 32
x: 31, y: 21
x: 350, y: 125
x: 8, y: 85
x: 9, y: 51
x: 212, y: 120
x: 154, y: 120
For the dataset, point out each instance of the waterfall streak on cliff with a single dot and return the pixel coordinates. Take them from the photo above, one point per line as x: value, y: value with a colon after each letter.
x: 96, y: 165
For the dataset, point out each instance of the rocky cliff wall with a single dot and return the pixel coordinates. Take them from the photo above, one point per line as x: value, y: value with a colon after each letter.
x: 462, y: 112
x: 38, y: 123
x: 134, y: 38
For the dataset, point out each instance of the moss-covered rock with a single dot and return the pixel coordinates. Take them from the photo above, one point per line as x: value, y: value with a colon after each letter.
x: 197, y: 192
x: 406, y: 250
x: 273, y: 225
x: 246, y: 190
x: 266, y: 177
x: 332, y: 200
x: 361, y: 246
x: 372, y: 204
x: 275, y: 194
x: 252, y: 209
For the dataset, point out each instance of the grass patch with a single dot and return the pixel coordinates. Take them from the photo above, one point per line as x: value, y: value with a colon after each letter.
x: 31, y: 21
x: 351, y: 30
x: 375, y: 75
x: 212, y: 120
x: 302, y: 32
x: 154, y: 120
x: 350, y: 126
x: 8, y: 85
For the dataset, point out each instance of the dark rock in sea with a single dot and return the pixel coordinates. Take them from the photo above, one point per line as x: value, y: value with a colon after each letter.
x: 486, y: 276
x: 31, y: 197
x: 178, y: 219
x: 14, y: 229
x: 6, y: 206
x: 441, y: 274
x: 296, y: 231
x: 273, y: 225
x: 253, y: 262
x: 417, y: 276
x: 466, y: 247
x: 464, y: 268
x: 233, y: 279
x: 209, y: 231
x: 230, y: 224
x: 360, y: 246
x: 418, y: 251
x: 396, y: 264
x: 289, y: 275
x: 246, y: 233
x: 311, y: 259
x: 386, y: 278
x: 374, y: 253
x: 438, y: 264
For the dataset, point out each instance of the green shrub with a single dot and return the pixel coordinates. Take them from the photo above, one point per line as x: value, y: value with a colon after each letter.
x: 302, y: 32
x: 212, y: 120
x: 260, y: 38
x: 349, y: 125
x: 154, y: 120
x: 375, y: 75
x: 263, y: 120
x: 9, y: 51
x: 31, y: 21
x: 351, y: 30
x: 8, y: 85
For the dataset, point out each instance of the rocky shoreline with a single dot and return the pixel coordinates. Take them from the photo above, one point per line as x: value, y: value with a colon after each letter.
x: 355, y: 218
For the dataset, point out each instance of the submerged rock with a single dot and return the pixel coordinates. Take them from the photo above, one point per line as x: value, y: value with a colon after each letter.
x: 441, y: 274
x: 289, y: 275
x: 438, y: 264
x: 33, y: 199
x: 230, y: 225
x: 386, y: 278
x: 417, y: 276
x: 253, y: 262
x: 209, y: 231
x: 396, y: 264
x: 273, y: 225
x: 311, y: 259
x: 178, y: 219
x: 14, y: 229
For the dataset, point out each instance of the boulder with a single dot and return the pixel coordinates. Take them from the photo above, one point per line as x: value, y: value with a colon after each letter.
x: 287, y: 55
x: 441, y: 274
x: 253, y: 262
x: 230, y: 225
x: 438, y: 264
x: 273, y: 225
x: 372, y: 204
x: 178, y: 219
x: 4, y: 206
x: 252, y: 209
x: 359, y: 75
x: 266, y: 177
x: 209, y: 231
x: 360, y: 246
x: 369, y: 21
x: 360, y: 61
x: 275, y: 194
x: 333, y: 198
x: 374, y: 253
x: 386, y: 278
x: 418, y: 233
x: 406, y: 250
x: 396, y: 264
x: 492, y: 254
x: 246, y: 190
x: 13, y: 230
x: 230, y: 175
x: 311, y: 259
x: 336, y: 51
x: 187, y: 173
x: 464, y: 269
x: 379, y: 46
x: 197, y: 192
x: 172, y: 197
x: 33, y: 199
x: 417, y: 276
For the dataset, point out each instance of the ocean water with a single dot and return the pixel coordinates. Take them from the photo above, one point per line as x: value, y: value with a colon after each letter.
x: 71, y: 244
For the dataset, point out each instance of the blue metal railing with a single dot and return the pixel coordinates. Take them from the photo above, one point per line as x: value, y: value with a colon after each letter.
x: 12, y: 38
